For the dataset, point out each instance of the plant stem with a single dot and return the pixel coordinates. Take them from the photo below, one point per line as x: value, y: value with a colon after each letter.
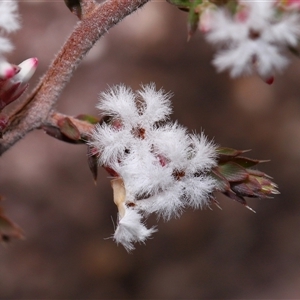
x: 35, y: 110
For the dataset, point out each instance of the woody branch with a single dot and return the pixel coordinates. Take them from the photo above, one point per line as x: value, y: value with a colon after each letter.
x: 96, y: 20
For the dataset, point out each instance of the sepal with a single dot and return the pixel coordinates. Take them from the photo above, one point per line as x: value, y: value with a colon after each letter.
x: 237, y: 179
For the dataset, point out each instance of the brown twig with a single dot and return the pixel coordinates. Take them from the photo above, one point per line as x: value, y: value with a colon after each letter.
x: 37, y: 107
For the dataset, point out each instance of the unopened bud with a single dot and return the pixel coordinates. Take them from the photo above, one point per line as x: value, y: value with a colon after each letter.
x: 28, y: 68
x: 12, y: 88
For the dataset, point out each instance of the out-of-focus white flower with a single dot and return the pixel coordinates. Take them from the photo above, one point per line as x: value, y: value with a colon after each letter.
x: 9, y: 22
x: 254, y: 39
x: 163, y: 168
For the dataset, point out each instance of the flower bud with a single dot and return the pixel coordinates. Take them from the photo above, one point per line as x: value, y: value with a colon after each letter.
x: 13, y: 87
x: 28, y: 68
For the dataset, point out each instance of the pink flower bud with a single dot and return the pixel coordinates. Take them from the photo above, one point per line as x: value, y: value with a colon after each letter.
x: 28, y: 68
x: 12, y: 88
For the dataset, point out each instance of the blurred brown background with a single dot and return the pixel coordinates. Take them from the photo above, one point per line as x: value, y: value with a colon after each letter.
x: 208, y: 254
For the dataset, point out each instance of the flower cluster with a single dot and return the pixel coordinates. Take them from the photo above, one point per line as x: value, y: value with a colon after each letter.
x: 158, y: 167
x: 254, y: 36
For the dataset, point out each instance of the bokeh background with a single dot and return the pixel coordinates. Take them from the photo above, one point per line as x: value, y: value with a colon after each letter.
x: 209, y: 254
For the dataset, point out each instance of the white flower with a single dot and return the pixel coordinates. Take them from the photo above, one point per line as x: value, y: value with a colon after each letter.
x: 9, y: 22
x: 162, y: 167
x: 254, y: 39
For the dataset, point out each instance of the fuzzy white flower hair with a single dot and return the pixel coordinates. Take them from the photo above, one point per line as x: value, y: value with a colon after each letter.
x: 254, y: 39
x: 157, y: 165
x: 9, y: 22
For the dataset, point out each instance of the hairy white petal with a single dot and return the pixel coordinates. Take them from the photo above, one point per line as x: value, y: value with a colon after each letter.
x: 203, y: 154
x: 157, y: 104
x: 131, y: 230
x: 142, y: 172
x: 119, y: 102
x: 166, y: 204
x: 172, y: 142
x: 111, y: 143
x: 198, y: 191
